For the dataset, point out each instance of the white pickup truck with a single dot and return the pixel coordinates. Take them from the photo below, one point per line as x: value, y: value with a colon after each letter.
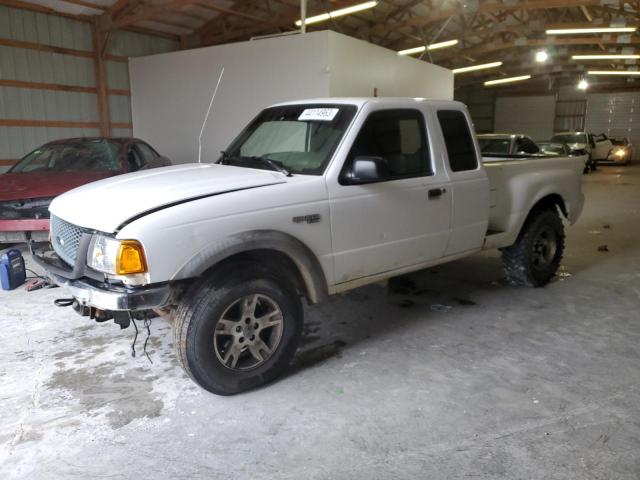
x: 313, y: 198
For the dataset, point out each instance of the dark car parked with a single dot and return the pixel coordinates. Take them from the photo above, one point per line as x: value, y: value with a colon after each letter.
x: 27, y: 189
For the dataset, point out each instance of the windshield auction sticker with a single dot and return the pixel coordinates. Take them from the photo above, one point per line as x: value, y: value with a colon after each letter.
x: 318, y: 114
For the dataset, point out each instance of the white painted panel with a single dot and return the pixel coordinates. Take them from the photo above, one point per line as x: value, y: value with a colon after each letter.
x: 357, y: 68
x: 533, y: 116
x: 171, y: 92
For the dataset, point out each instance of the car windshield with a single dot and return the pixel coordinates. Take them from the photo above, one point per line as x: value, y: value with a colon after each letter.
x: 570, y: 138
x: 495, y: 145
x: 297, y: 138
x: 74, y: 156
x: 554, y: 148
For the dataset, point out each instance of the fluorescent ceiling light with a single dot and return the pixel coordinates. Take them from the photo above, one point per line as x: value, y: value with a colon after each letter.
x: 542, y: 56
x: 433, y: 46
x: 613, y: 72
x: 507, y: 80
x: 473, y: 68
x: 583, y: 84
x: 448, y: 43
x: 337, y: 13
x: 573, y: 31
x: 606, y: 57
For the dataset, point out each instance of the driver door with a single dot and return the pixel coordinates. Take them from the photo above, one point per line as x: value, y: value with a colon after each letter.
x: 401, y: 219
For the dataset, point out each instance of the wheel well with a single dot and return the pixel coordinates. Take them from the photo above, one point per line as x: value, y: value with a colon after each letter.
x: 550, y: 202
x: 270, y: 259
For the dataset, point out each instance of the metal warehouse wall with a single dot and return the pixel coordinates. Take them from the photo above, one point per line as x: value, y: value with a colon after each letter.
x: 616, y: 114
x: 48, y: 87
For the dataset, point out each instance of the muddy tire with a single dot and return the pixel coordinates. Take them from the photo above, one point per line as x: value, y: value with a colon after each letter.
x: 535, y: 257
x: 239, y: 330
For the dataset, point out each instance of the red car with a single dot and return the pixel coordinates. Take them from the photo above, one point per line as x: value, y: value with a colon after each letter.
x: 27, y: 189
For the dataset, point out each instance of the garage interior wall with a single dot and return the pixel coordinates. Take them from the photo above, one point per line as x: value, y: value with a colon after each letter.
x: 48, y: 87
x: 616, y: 114
x: 171, y: 92
x: 531, y: 115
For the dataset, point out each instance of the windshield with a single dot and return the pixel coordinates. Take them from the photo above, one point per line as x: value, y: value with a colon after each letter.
x: 570, y: 138
x: 555, y: 148
x: 81, y: 155
x: 494, y: 145
x: 299, y: 138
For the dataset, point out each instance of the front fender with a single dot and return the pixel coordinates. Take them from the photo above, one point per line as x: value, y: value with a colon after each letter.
x: 304, y: 259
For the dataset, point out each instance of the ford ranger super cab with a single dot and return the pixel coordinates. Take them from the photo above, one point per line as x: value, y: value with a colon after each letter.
x: 313, y: 198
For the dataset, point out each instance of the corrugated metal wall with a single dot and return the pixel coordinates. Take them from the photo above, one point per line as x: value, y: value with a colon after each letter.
x: 33, y: 65
x: 616, y: 115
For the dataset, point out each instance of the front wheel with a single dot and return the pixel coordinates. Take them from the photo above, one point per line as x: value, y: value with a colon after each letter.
x: 535, y: 257
x: 235, y: 335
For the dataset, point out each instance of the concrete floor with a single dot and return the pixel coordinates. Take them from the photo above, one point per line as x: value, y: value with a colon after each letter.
x: 506, y: 383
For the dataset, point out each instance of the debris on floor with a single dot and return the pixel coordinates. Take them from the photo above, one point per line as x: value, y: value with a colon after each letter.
x: 603, y: 248
x: 607, y: 226
x: 595, y: 232
x: 562, y: 273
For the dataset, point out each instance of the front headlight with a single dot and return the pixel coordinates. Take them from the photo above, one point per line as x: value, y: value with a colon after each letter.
x: 621, y: 153
x: 118, y: 257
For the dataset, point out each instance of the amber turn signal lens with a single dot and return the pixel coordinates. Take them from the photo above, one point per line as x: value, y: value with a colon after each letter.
x: 130, y: 258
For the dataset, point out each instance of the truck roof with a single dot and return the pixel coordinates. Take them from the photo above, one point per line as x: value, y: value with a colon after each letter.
x: 500, y: 135
x: 360, y: 101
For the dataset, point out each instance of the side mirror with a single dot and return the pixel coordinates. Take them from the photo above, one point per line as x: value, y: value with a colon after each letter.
x: 367, y: 170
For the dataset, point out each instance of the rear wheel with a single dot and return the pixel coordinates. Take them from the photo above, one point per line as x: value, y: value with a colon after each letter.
x: 535, y: 257
x: 239, y: 333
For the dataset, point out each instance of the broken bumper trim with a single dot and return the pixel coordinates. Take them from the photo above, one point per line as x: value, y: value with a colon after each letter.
x: 115, y: 298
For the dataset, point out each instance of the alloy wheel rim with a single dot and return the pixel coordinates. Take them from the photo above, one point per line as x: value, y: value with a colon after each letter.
x: 248, y: 332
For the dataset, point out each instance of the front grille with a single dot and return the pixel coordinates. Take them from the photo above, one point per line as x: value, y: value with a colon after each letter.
x: 65, y: 238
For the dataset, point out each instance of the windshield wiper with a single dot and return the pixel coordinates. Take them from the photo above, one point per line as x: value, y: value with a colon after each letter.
x: 272, y: 164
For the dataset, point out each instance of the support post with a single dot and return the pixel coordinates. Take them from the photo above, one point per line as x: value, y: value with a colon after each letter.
x: 99, y: 47
x: 303, y: 16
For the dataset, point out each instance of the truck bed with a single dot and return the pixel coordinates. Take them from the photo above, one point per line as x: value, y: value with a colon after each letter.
x: 518, y: 183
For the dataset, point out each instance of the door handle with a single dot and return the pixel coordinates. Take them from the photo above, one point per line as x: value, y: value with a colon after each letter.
x: 436, y: 192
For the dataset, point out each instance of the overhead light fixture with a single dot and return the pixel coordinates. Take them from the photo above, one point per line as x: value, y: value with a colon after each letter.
x: 574, y: 31
x: 606, y: 57
x: 613, y: 72
x: 445, y: 44
x: 583, y: 84
x: 337, y: 13
x: 541, y: 56
x: 473, y: 68
x: 500, y: 81
x: 433, y: 46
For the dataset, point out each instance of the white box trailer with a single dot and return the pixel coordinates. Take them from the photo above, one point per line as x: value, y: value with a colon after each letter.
x: 170, y: 92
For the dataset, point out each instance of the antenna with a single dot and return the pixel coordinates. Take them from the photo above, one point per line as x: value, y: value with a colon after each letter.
x: 207, y: 116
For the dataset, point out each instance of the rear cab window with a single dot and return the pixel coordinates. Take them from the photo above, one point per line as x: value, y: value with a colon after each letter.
x: 458, y: 140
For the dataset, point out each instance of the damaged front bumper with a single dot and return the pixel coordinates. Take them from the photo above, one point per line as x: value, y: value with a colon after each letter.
x: 90, y: 290
x: 114, y: 298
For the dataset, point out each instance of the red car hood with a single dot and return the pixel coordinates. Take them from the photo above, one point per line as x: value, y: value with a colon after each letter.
x: 17, y: 186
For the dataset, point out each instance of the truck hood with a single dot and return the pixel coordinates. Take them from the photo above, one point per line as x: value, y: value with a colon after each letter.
x: 107, y: 204
x: 43, y: 184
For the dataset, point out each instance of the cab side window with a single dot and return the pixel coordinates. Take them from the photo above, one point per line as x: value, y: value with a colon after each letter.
x: 399, y: 138
x: 134, y: 159
x: 458, y: 140
x: 526, y: 145
x: 146, y: 152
